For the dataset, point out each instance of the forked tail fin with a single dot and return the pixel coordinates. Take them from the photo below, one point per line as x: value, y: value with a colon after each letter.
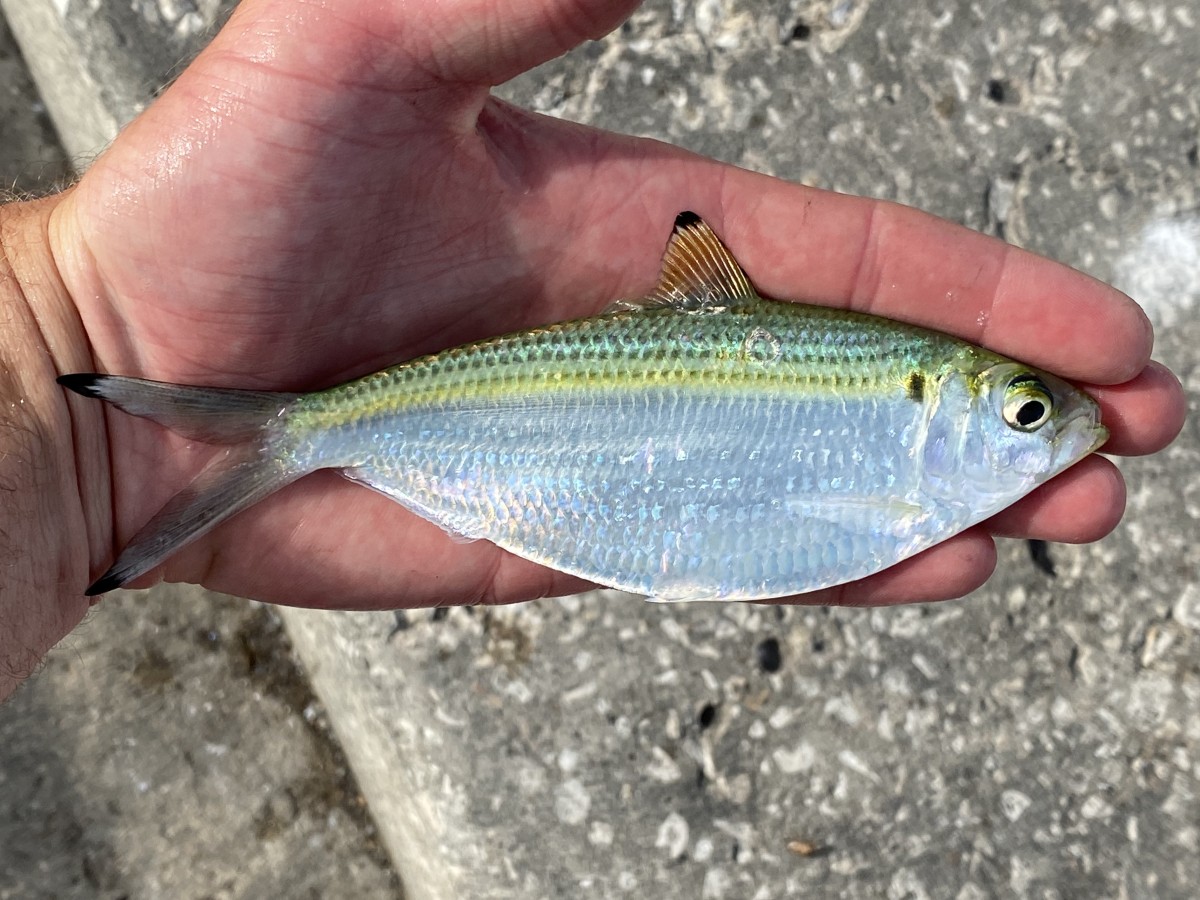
x: 245, y: 475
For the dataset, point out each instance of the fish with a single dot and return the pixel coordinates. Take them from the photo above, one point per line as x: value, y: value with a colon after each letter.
x: 703, y: 442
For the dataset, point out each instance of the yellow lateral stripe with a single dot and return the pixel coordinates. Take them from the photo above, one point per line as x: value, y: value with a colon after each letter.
x: 343, y: 406
x: 778, y: 348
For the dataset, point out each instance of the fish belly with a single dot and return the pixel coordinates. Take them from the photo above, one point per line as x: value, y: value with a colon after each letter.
x: 676, y: 495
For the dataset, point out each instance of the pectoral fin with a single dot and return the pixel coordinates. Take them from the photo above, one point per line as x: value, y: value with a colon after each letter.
x: 834, y: 507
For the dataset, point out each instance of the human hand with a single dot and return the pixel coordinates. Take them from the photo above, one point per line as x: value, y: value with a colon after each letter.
x: 327, y: 191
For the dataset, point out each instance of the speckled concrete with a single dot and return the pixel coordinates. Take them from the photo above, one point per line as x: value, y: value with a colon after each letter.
x: 1040, y: 739
x: 172, y: 749
x: 97, y: 64
x: 30, y: 158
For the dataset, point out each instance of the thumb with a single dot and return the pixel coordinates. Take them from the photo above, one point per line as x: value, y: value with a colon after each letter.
x: 491, y: 41
x: 400, y: 43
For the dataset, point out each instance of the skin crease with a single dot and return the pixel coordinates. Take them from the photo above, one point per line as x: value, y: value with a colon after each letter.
x: 330, y: 189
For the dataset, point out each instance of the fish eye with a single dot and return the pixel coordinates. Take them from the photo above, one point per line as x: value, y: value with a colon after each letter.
x: 1028, y: 403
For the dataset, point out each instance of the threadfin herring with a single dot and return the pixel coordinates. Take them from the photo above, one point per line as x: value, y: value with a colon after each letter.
x: 700, y: 443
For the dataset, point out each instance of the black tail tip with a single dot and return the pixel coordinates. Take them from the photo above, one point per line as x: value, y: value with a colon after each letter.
x: 109, y: 581
x: 85, y: 383
x: 686, y: 219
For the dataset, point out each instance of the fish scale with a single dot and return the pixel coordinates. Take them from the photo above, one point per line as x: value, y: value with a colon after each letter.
x: 702, y: 443
x: 815, y: 352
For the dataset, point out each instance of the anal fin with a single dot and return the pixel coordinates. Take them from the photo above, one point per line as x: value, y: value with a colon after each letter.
x: 458, y: 532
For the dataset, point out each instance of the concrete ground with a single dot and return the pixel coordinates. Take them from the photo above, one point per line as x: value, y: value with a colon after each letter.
x: 1039, y: 739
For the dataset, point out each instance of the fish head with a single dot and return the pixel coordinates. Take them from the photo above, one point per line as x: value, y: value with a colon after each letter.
x: 1035, y: 424
x: 997, y: 429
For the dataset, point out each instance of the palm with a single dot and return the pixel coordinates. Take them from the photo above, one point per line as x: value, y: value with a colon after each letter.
x: 314, y: 221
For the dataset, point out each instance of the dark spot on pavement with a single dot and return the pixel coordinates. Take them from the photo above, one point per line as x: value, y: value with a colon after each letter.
x: 770, y: 658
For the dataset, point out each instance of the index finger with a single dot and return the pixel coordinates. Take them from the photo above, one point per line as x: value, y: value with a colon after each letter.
x: 801, y: 243
x: 901, y: 263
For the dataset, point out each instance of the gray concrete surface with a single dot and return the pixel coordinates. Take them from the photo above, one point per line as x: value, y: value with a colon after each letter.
x: 30, y: 155
x: 97, y: 65
x: 170, y: 748
x: 1040, y: 739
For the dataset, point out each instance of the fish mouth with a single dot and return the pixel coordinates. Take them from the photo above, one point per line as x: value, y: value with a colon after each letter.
x: 1082, y: 434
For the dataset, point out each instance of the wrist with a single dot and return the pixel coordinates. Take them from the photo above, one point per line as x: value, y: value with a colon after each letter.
x: 55, y: 513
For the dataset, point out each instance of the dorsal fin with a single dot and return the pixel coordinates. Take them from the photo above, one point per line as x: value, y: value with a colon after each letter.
x: 698, y: 273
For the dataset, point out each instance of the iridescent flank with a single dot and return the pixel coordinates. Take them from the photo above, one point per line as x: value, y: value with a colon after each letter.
x: 802, y: 350
x: 701, y: 443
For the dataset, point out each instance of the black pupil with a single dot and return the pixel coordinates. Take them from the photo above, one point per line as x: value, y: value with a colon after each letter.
x: 1030, y: 413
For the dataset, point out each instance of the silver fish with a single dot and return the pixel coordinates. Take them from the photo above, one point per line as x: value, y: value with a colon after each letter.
x: 702, y: 443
